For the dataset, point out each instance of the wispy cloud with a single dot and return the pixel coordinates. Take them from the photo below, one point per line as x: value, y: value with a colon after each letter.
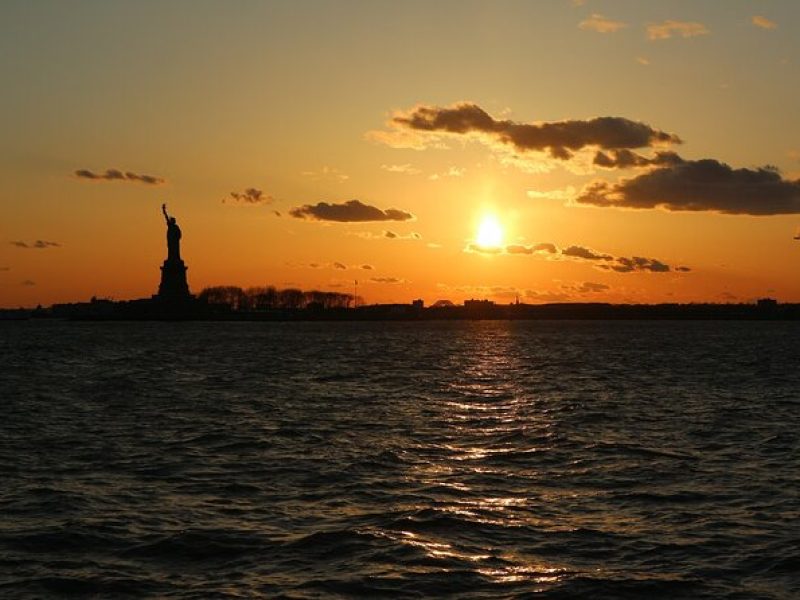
x: 405, y: 169
x: 600, y: 260
x: 28, y: 283
x: 326, y: 172
x: 600, y: 24
x: 565, y: 194
x: 389, y: 280
x: 763, y: 22
x: 118, y: 175
x: 668, y: 29
x: 353, y: 211
x: 250, y: 196
x: 37, y: 245
x: 451, y: 172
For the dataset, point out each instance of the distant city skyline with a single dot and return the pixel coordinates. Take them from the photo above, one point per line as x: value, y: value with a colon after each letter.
x: 587, y: 151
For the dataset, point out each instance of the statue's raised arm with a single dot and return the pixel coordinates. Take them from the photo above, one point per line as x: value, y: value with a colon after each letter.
x: 164, y: 210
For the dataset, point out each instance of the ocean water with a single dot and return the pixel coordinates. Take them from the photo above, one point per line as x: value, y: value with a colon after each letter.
x: 400, y: 460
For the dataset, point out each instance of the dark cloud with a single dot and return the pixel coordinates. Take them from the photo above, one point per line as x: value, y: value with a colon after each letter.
x: 349, y: 212
x: 624, y: 159
x: 700, y: 185
x: 601, y: 260
x: 5, y: 268
x: 623, y: 264
x: 392, y: 280
x: 37, y: 245
x: 117, y: 175
x: 367, y: 267
x: 338, y: 265
x: 585, y: 253
x: 559, y: 138
x: 248, y: 196
x: 28, y: 282
x: 397, y: 236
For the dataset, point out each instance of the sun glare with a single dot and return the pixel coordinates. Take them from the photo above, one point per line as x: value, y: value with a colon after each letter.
x: 490, y: 233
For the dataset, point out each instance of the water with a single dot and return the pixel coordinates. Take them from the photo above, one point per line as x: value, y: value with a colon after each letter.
x: 400, y: 460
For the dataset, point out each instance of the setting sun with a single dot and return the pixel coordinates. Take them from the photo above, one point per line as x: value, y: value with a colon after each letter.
x: 490, y: 233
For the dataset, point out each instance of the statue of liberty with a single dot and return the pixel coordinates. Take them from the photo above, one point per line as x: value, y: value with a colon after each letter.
x: 173, y: 237
x: 173, y: 287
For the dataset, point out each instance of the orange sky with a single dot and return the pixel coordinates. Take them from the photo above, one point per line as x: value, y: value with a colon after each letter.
x: 629, y: 151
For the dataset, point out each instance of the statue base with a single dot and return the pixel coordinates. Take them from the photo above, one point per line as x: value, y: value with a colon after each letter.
x: 173, y: 286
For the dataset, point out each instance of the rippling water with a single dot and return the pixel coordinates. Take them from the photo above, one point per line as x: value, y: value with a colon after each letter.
x: 467, y: 459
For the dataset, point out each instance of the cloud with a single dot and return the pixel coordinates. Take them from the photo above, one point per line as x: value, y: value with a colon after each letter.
x: 625, y: 159
x: 451, y: 172
x: 367, y: 267
x: 117, y: 175
x: 642, y: 60
x: 391, y: 235
x: 559, y: 138
x: 3, y: 269
x: 585, y: 253
x: 566, y: 194
x: 477, y: 248
x: 353, y: 211
x: 28, y: 283
x: 600, y: 24
x: 338, y: 265
x: 249, y: 196
x: 544, y: 247
x: 38, y: 244
x: 389, y: 280
x: 590, y: 287
x: 636, y: 263
x: 668, y: 29
x: 330, y: 173
x: 700, y: 185
x: 406, y: 169
x: 763, y: 22
x: 600, y: 260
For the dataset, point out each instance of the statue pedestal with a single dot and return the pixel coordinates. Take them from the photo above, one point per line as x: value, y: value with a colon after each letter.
x: 173, y: 284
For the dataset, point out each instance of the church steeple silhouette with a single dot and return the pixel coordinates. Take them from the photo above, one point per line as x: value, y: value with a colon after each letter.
x: 173, y: 286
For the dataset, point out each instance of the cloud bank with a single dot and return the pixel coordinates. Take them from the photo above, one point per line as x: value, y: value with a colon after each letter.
x: 559, y: 138
x: 353, y: 211
x: 117, y: 175
x: 700, y: 185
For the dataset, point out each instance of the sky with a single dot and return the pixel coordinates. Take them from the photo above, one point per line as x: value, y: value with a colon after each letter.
x: 551, y: 151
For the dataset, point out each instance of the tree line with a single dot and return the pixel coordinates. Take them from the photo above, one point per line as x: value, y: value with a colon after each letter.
x: 270, y: 298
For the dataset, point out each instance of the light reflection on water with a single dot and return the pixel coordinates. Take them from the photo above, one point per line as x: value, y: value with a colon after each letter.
x: 480, y: 460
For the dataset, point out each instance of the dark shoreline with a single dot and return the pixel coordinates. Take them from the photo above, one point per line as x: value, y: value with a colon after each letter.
x: 149, y: 310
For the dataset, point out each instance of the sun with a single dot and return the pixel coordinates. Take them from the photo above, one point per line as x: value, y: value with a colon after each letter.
x: 490, y: 232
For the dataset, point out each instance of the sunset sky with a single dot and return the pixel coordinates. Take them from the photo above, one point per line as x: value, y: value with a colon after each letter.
x: 594, y: 151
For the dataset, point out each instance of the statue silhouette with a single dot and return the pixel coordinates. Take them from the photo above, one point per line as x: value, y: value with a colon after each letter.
x: 173, y: 287
x: 173, y: 236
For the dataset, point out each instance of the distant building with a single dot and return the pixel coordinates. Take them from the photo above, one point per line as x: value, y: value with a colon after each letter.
x: 767, y: 303
x: 418, y: 304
